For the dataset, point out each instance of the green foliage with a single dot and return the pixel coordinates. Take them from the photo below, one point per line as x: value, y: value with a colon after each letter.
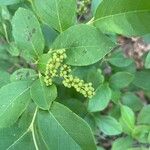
x: 24, y: 74
x: 66, y: 127
x: 101, y: 99
x: 143, y: 118
x: 122, y: 143
x: 69, y: 85
x: 132, y: 101
x: 83, y: 49
x: 42, y: 95
x: 13, y: 104
x: 147, y: 61
x: 94, y: 5
x: 125, y: 17
x: 121, y: 80
x: 142, y: 80
x: 56, y: 14
x: 4, y: 78
x: 27, y: 33
x: 109, y: 125
x: 9, y: 2
x: 127, y: 119
x: 119, y: 60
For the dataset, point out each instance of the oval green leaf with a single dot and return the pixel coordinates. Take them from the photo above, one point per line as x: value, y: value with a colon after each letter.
x: 121, y: 80
x: 119, y: 60
x: 85, y: 45
x: 25, y: 74
x: 27, y: 33
x: 127, y: 119
x: 132, y: 101
x: 122, y: 143
x: 42, y: 95
x: 101, y: 99
x: 109, y: 125
x: 142, y: 80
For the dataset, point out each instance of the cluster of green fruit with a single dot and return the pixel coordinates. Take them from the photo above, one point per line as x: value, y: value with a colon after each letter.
x: 83, y: 6
x: 56, y: 68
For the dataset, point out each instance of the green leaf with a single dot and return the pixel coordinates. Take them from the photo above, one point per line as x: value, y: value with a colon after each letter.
x: 127, y: 119
x: 125, y: 17
x: 10, y: 136
x: 122, y: 143
x: 90, y: 119
x: 121, y: 80
x: 49, y: 35
x: 76, y: 106
x: 27, y: 33
x: 142, y: 80
x: 116, y: 95
x: 143, y: 117
x: 42, y: 62
x: 5, y: 13
x: 5, y: 58
x: 100, y: 148
x: 146, y: 38
x: 132, y: 101
x: 57, y: 14
x: 39, y: 140
x: 24, y: 74
x: 4, y: 78
x: 115, y: 112
x: 83, y: 49
x: 109, y: 125
x: 42, y: 95
x: 101, y: 99
x: 9, y: 2
x: 24, y: 142
x: 25, y: 137
x: 147, y: 61
x: 96, y: 77
x: 14, y: 98
x: 94, y: 5
x: 62, y: 129
x: 138, y: 148
x: 119, y: 60
x: 141, y: 133
x: 13, y: 49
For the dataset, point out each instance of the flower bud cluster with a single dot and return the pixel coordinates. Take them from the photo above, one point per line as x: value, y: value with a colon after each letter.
x: 56, y: 68
x: 65, y: 70
x: 83, y: 6
x: 53, y: 65
x: 86, y: 89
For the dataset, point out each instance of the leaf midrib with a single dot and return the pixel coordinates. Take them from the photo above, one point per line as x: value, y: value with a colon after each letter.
x: 63, y: 128
x: 58, y: 16
x: 43, y: 91
x: 123, y: 13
